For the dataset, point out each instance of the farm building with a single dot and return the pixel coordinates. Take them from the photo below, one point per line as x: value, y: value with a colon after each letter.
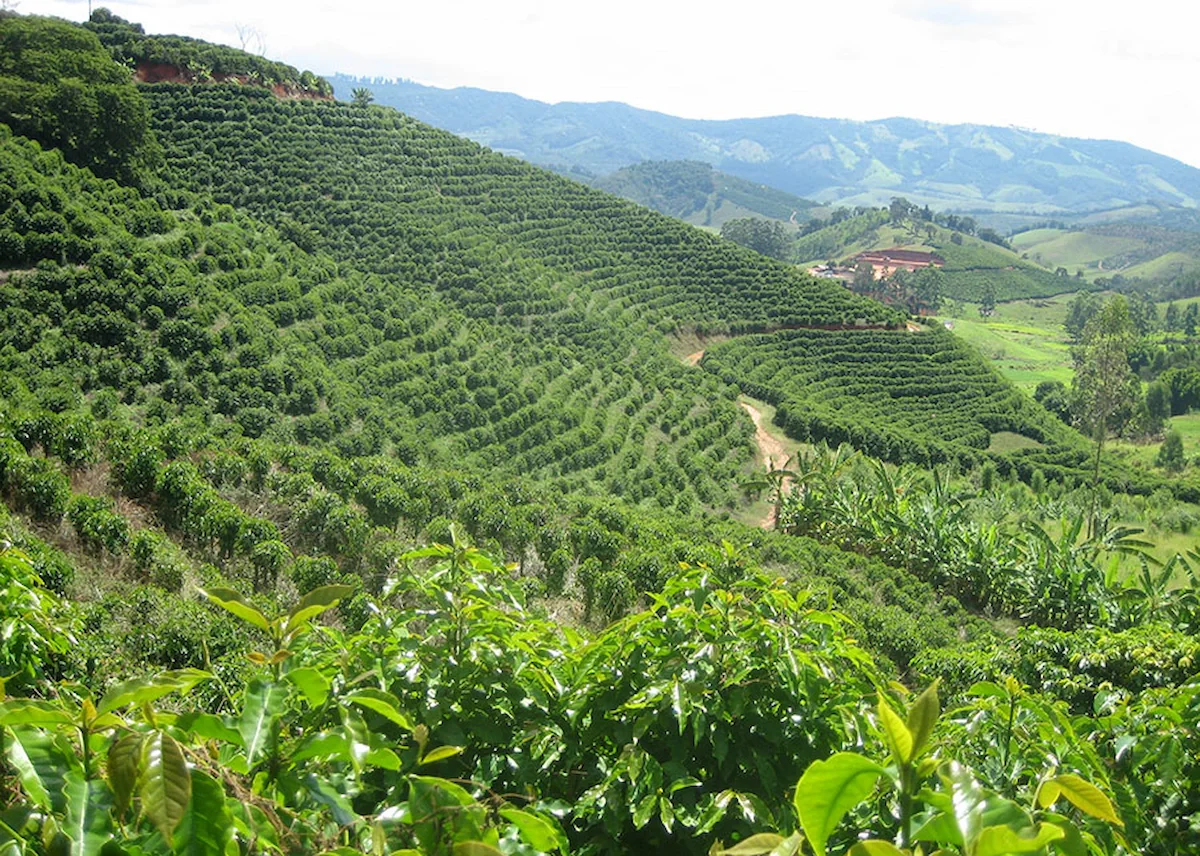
x: 887, y: 262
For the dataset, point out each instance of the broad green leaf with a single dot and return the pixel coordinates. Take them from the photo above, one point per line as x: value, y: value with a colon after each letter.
x: 322, y: 744
x: 41, y: 765
x: 124, y: 758
x: 475, y: 848
x: 31, y: 781
x: 441, y: 754
x: 142, y: 690
x: 88, y: 824
x: 312, y: 683
x: 456, y: 791
x: 314, y: 603
x: 324, y: 793
x: 166, y: 784
x: 755, y: 845
x: 383, y: 703
x: 666, y: 813
x: 1087, y: 798
x: 828, y: 789
x: 207, y: 828
x: 262, y: 705
x: 875, y: 848
x: 922, y: 716
x: 899, y: 738
x: 229, y: 599
x: 538, y: 832
x: 987, y: 689
x: 644, y: 810
x: 24, y: 711
x: 1004, y: 840
x: 1047, y: 794
x: 382, y: 757
x: 209, y: 726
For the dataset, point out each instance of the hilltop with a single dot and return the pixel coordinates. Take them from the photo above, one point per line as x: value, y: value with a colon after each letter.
x: 971, y: 168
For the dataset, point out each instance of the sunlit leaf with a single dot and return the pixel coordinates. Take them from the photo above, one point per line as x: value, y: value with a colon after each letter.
x: 538, y: 832
x: 828, y: 789
x: 441, y: 754
x: 755, y: 845
x: 207, y: 828
x: 383, y: 703
x: 922, y: 716
x: 1087, y: 798
x: 142, y: 690
x: 314, y: 603
x: 899, y: 738
x: 1004, y: 840
x: 312, y: 683
x: 227, y: 598
x: 875, y: 848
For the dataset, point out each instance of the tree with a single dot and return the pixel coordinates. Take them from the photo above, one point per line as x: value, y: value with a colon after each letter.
x: 763, y: 236
x: 864, y: 279
x: 988, y: 305
x: 1170, y: 453
x: 1171, y: 321
x: 1083, y: 307
x: 900, y: 208
x: 1052, y: 395
x: 1190, y: 317
x: 1158, y: 406
x: 1104, y: 388
x: 362, y: 96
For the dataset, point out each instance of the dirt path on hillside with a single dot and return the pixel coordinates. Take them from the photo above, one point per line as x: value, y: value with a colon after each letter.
x: 770, y: 449
x: 694, y: 359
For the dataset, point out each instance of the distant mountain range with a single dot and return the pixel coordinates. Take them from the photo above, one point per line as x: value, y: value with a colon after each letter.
x: 973, y: 168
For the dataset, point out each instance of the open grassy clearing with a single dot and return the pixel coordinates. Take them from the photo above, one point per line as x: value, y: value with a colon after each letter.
x: 1075, y: 251
x: 1024, y: 339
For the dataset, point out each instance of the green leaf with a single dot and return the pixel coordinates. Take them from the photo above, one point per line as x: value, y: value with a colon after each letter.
x: 755, y: 845
x: 1047, y: 794
x: 644, y: 810
x: 88, y: 824
x: 324, y: 793
x: 899, y: 738
x: 441, y: 754
x: 124, y: 758
x: 314, y: 603
x: 385, y: 704
x: 538, y: 832
x: 1087, y: 798
x: 229, y: 599
x: 261, y: 706
x: 142, y: 690
x: 828, y: 789
x: 875, y: 848
x: 312, y: 683
x: 41, y: 766
x: 475, y: 848
x: 987, y: 689
x: 457, y: 792
x: 23, y: 711
x: 209, y: 726
x: 922, y: 716
x: 166, y: 784
x: 1004, y: 840
x: 207, y: 827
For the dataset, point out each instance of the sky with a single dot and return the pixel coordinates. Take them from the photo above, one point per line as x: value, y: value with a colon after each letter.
x: 1081, y: 68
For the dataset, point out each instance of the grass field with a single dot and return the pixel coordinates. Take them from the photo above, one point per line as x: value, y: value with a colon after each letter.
x: 1076, y: 251
x: 1024, y: 339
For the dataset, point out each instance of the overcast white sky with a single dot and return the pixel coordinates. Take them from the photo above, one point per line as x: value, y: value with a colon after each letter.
x: 1086, y: 68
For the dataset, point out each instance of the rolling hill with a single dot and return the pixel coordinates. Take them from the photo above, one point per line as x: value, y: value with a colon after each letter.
x: 963, y: 167
x: 698, y: 194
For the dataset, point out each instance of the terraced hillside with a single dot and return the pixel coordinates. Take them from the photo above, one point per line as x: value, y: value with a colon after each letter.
x: 923, y: 397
